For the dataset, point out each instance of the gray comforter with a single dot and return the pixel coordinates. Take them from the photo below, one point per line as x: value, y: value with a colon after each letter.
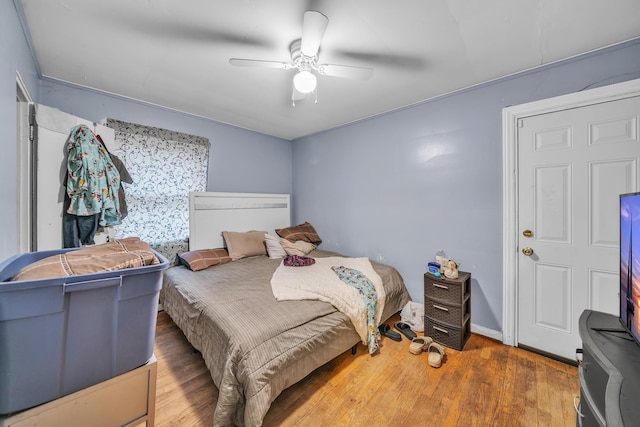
x: 254, y: 346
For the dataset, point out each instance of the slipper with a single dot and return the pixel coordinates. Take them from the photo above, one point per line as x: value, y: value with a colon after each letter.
x: 419, y: 344
x: 436, y: 354
x: 387, y: 332
x: 405, y: 329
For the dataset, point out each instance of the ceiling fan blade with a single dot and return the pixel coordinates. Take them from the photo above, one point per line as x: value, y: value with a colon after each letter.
x: 260, y: 63
x: 346, y: 71
x: 313, y: 27
x: 388, y: 59
x: 176, y: 29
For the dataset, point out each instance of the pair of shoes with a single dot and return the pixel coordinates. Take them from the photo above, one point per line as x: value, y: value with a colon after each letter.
x: 405, y: 330
x: 436, y: 354
x: 420, y: 344
x: 387, y: 332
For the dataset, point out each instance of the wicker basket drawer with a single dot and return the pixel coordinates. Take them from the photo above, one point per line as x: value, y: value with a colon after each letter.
x: 445, y: 289
x: 442, y: 312
x: 447, y: 335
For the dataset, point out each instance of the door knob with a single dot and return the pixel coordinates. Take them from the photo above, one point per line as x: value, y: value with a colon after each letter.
x: 527, y: 251
x: 527, y: 233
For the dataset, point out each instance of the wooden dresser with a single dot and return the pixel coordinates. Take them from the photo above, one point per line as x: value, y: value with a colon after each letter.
x: 126, y: 400
x: 447, y: 309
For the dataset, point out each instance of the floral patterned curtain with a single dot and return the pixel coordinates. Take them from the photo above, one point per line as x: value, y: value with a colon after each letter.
x: 164, y: 166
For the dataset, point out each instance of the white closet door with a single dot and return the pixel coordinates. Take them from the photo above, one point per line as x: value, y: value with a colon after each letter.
x: 573, y: 165
x: 52, y: 131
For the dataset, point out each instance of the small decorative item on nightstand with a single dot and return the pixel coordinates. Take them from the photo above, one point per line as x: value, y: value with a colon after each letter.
x: 451, y: 270
x: 447, y: 309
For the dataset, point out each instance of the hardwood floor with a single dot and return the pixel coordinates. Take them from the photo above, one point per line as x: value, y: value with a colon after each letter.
x: 486, y: 384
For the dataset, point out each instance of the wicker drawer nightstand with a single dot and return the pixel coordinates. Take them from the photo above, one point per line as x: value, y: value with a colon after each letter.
x: 447, y: 309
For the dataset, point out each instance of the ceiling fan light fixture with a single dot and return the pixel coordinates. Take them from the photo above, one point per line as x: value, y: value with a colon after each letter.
x: 305, y: 81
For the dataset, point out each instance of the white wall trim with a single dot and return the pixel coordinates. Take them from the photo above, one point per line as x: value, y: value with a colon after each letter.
x: 510, y: 117
x: 23, y: 162
x: 22, y: 92
x: 490, y: 333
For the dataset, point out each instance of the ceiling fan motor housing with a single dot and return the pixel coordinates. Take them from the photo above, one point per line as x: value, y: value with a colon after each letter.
x: 301, y: 61
x: 304, y: 58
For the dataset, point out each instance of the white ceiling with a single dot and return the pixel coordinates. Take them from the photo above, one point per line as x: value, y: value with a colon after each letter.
x: 175, y: 53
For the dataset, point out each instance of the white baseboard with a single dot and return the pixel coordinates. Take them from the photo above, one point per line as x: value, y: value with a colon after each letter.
x: 490, y: 333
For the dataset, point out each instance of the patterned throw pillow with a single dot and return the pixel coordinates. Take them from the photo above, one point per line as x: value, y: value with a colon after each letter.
x: 304, y: 232
x: 204, y: 258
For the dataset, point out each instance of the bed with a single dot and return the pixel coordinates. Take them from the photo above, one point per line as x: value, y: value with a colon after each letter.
x: 253, y: 345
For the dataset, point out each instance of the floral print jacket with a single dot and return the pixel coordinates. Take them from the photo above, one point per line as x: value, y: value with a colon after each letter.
x: 93, y: 182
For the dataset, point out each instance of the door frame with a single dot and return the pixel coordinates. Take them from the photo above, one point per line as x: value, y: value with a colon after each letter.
x: 510, y: 117
x: 25, y: 170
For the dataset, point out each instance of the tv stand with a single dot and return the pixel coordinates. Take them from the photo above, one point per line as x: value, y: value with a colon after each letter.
x: 609, y: 330
x: 609, y: 373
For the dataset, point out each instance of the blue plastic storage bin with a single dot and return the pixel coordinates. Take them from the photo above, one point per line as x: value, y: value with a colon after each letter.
x: 60, y: 335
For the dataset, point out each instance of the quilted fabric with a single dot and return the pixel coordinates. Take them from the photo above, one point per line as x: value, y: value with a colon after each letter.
x: 130, y: 252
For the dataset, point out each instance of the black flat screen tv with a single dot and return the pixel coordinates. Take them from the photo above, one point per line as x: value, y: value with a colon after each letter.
x: 630, y: 263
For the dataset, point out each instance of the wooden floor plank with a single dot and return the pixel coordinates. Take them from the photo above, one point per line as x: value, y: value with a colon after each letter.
x: 486, y: 384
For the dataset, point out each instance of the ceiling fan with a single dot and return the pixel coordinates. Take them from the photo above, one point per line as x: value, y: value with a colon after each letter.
x: 304, y: 59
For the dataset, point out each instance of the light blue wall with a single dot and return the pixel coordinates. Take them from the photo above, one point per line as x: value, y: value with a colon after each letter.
x: 14, y: 55
x: 395, y: 188
x: 400, y: 186
x: 240, y: 160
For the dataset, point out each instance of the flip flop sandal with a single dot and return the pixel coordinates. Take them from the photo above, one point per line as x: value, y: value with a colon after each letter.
x: 436, y: 354
x: 419, y: 344
x: 405, y: 330
x: 387, y: 332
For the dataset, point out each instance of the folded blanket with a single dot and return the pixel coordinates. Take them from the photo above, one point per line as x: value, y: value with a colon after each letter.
x: 320, y: 282
x: 130, y: 252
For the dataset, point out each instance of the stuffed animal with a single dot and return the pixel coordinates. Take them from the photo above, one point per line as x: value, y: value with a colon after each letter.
x: 451, y: 270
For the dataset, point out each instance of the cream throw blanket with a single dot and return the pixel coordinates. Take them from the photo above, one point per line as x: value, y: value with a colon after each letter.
x: 320, y: 282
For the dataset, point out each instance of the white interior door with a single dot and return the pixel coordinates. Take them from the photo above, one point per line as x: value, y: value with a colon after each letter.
x: 52, y: 131
x: 572, y: 167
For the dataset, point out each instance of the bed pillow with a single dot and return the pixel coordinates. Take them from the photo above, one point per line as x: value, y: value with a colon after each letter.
x: 304, y: 232
x: 299, y: 247
x: 245, y: 244
x: 274, y: 248
x: 204, y: 258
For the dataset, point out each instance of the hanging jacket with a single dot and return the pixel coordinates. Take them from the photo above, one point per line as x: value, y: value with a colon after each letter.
x: 93, y: 182
x: 124, y: 177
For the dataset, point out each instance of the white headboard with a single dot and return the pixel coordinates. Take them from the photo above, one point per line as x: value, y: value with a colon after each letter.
x: 212, y: 213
